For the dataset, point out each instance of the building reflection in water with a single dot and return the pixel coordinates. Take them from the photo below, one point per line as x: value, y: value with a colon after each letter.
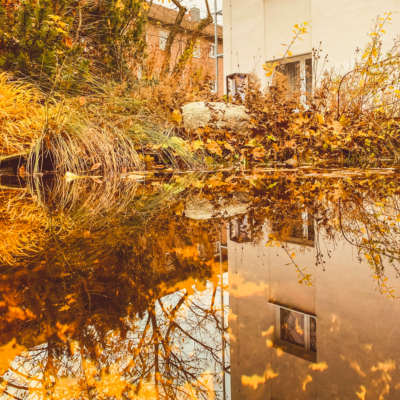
x: 100, y: 318
x: 277, y: 351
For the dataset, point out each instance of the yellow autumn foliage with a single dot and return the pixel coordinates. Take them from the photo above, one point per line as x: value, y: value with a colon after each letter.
x: 22, y: 117
x: 8, y: 352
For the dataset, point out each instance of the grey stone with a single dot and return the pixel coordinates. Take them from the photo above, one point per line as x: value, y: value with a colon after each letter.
x: 217, y: 114
x: 197, y: 208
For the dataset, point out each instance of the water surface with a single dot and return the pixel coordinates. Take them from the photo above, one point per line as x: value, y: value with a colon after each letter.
x: 246, y: 285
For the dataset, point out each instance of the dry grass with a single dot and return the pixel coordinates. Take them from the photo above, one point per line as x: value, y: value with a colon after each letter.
x: 22, y: 118
x: 106, y: 127
x: 22, y: 225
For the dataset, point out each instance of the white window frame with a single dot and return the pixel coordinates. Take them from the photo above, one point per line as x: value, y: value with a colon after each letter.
x: 197, y: 50
x: 299, y: 351
x: 213, y: 51
x: 163, y: 35
x: 306, y: 327
x: 214, y: 86
x: 303, y: 79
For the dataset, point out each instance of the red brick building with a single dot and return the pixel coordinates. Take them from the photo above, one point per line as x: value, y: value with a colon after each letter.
x: 161, y: 20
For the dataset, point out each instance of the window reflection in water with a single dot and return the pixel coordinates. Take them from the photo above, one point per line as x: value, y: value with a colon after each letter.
x: 292, y: 327
x: 313, y: 334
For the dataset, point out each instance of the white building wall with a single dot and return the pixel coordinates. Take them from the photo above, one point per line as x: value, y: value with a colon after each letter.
x: 357, y: 326
x: 243, y: 19
x: 254, y: 30
x: 280, y: 18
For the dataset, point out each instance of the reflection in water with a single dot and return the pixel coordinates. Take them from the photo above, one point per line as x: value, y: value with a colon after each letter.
x: 292, y: 327
x: 112, y: 288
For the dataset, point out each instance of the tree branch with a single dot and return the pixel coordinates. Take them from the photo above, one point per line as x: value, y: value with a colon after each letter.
x: 191, y: 43
x: 171, y: 37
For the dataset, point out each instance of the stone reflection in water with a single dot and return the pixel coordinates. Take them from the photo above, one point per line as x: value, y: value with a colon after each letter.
x: 112, y: 289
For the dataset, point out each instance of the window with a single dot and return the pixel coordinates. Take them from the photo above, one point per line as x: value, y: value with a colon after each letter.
x: 292, y: 327
x: 299, y: 231
x: 163, y: 39
x: 298, y: 71
x: 213, y: 85
x: 296, y: 333
x: 196, y: 50
x: 217, y: 248
x: 240, y: 230
x: 236, y: 84
x: 201, y: 251
x: 213, y: 54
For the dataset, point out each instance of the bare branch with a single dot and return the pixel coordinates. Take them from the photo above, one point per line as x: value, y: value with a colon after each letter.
x: 172, y: 35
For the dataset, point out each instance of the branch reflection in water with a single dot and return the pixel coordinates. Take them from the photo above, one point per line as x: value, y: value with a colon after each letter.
x: 111, y: 288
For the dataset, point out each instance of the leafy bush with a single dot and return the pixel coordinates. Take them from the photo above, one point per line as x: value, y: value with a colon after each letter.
x: 62, y: 39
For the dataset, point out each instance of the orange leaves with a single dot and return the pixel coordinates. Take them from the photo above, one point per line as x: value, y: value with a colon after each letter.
x: 176, y: 117
x: 68, y: 42
x: 229, y: 147
x: 179, y: 208
x: 214, y: 147
x: 7, y: 354
x: 320, y: 119
x: 258, y: 152
x: 270, y: 68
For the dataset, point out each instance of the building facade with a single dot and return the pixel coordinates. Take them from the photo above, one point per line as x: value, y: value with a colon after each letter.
x: 161, y: 20
x: 255, y: 31
x: 335, y: 339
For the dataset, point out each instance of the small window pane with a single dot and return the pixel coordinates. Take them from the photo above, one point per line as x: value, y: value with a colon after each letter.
x: 308, y: 75
x: 212, y: 51
x: 163, y: 39
x: 196, y: 50
x: 313, y: 334
x: 292, y: 327
x: 292, y: 72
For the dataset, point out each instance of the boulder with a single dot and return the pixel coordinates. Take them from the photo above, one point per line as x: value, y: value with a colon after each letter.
x: 215, y: 114
x: 198, y: 208
x: 237, y: 205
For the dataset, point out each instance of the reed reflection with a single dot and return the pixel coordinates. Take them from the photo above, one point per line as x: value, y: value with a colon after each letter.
x: 112, y: 288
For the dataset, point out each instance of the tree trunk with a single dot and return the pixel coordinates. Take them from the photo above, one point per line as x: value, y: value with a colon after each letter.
x: 191, y: 43
x: 171, y: 37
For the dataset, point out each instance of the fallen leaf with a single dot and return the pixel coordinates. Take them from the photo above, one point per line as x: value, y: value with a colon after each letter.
x: 96, y: 166
x: 290, y: 143
x: 292, y: 161
x: 68, y: 42
x: 179, y: 209
x: 176, y: 117
x: 229, y: 147
x: 214, y: 148
x: 336, y: 125
x: 258, y: 152
x: 320, y: 119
